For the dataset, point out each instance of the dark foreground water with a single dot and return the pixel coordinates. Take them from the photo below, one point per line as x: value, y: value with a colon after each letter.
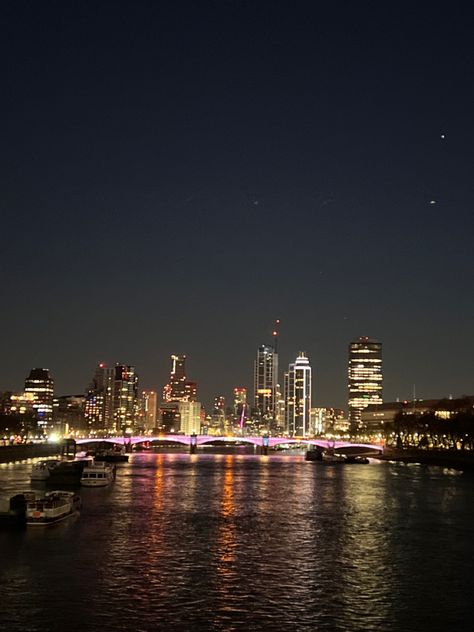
x: 242, y: 542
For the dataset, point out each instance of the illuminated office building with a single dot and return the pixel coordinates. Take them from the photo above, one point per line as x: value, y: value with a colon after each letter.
x: 179, y: 388
x: 298, y: 385
x: 190, y: 417
x: 111, y: 402
x: 98, y: 411
x: 190, y: 391
x: 265, y: 382
x: 148, y: 410
x: 125, y: 397
x: 22, y: 405
x: 175, y: 390
x: 41, y: 385
x: 68, y: 413
x: 365, y: 377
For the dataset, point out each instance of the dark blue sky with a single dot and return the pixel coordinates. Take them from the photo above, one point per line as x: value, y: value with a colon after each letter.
x: 175, y: 175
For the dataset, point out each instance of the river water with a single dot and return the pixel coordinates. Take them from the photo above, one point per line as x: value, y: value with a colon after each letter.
x: 244, y: 542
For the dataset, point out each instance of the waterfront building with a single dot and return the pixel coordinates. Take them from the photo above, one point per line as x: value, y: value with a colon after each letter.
x: 125, y: 393
x: 190, y: 417
x: 169, y: 419
x: 365, y: 377
x: 265, y: 381
x: 147, y: 410
x: 19, y: 403
x: 21, y: 406
x: 317, y: 420
x: 280, y: 410
x: 298, y: 386
x: 375, y: 417
x: 111, y: 401
x: 98, y: 408
x: 68, y: 413
x: 40, y: 384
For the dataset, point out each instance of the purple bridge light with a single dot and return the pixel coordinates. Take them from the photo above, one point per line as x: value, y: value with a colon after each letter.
x: 258, y: 441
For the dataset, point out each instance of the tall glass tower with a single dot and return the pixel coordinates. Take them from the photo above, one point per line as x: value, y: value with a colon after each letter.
x: 365, y: 377
x: 266, y: 378
x: 298, y: 386
x: 125, y: 395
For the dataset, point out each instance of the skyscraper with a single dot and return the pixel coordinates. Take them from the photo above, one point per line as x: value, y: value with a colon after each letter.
x: 125, y: 397
x: 111, y: 400
x: 365, y: 377
x: 178, y: 389
x: 298, y: 385
x: 41, y: 385
x: 175, y: 390
x: 99, y: 400
x: 265, y: 381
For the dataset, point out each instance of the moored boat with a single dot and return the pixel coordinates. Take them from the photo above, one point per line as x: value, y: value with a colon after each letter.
x: 98, y: 474
x: 314, y: 455
x: 357, y: 459
x: 67, y: 473
x: 54, y: 507
x: 331, y: 457
x: 111, y: 456
x: 41, y: 470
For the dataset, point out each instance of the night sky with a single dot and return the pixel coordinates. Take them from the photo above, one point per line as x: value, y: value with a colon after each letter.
x: 175, y: 175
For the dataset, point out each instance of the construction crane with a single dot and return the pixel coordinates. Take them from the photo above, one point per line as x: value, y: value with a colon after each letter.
x: 276, y: 333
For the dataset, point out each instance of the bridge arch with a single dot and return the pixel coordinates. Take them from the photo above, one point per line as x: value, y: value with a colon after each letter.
x: 255, y: 440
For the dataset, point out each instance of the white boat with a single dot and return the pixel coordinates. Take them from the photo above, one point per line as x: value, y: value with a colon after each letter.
x: 54, y: 507
x: 98, y: 474
x: 41, y: 470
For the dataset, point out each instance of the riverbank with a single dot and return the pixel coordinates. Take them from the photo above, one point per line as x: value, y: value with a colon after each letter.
x: 457, y: 459
x: 12, y: 453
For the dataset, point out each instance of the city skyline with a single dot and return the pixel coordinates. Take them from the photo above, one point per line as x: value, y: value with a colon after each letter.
x: 236, y: 256
x: 157, y: 203
x: 249, y: 385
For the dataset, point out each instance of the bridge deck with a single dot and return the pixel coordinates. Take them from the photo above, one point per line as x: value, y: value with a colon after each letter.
x: 205, y: 439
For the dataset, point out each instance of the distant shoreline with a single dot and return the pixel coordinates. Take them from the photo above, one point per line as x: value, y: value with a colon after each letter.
x: 457, y: 459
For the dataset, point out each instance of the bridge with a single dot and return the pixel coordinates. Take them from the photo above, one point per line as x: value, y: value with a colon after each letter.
x: 193, y: 441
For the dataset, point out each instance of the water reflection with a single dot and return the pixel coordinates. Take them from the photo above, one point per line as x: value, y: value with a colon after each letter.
x: 226, y: 533
x: 232, y: 542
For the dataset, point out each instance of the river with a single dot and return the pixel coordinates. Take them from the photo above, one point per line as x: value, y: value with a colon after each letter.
x: 243, y: 542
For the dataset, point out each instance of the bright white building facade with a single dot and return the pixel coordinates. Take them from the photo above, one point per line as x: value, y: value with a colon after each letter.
x: 298, y: 387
